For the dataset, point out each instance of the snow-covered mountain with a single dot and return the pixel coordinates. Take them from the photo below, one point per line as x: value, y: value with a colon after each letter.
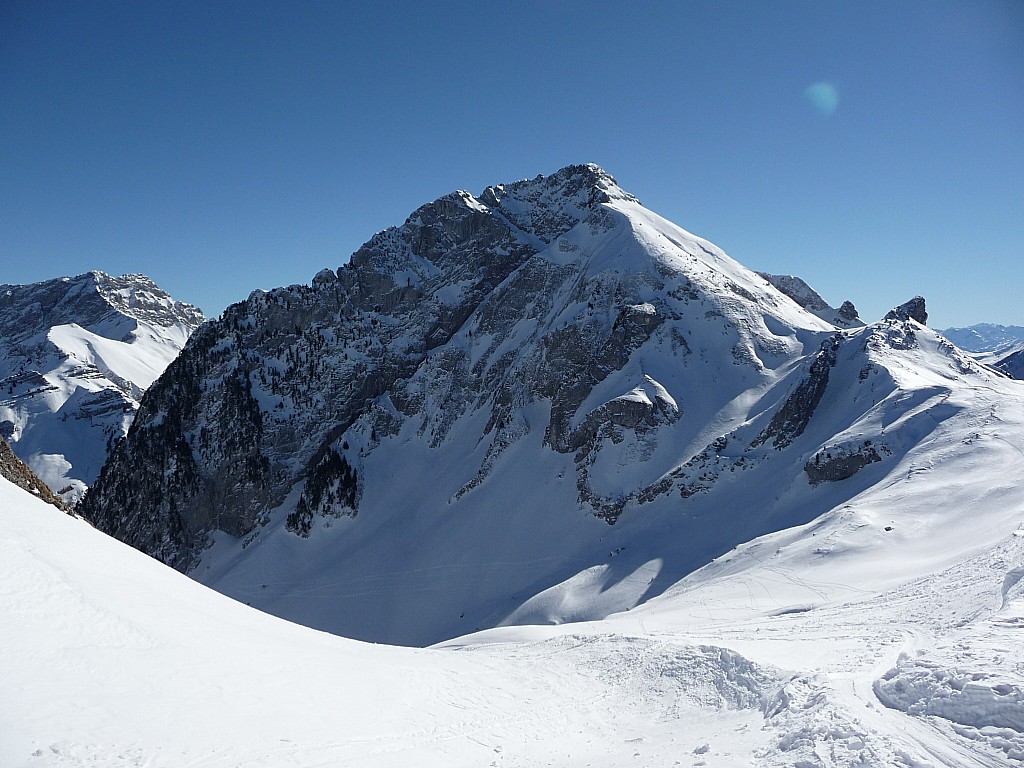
x: 76, y: 354
x: 541, y: 404
x: 704, y: 526
x: 1000, y: 346
x: 985, y: 337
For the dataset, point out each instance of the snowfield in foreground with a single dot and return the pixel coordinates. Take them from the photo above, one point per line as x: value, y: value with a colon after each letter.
x: 815, y: 646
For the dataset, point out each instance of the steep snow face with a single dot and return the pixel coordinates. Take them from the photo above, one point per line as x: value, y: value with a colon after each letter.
x: 542, y: 404
x: 76, y: 354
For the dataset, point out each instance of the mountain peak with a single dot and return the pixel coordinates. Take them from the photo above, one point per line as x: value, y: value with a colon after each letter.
x: 910, y: 310
x: 548, y: 206
x: 137, y: 296
x: 92, y: 298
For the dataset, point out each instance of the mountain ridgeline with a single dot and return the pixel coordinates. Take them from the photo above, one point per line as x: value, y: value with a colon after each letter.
x: 480, y: 392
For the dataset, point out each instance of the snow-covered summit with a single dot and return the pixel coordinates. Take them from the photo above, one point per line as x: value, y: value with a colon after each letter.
x: 76, y: 354
x: 94, y: 301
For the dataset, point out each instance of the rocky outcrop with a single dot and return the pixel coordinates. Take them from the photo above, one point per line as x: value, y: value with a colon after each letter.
x: 838, y: 462
x: 910, y: 310
x: 19, y: 473
x: 790, y: 421
x: 800, y: 292
x: 848, y: 312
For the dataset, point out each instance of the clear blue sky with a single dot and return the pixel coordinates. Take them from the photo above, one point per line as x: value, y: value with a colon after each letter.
x: 874, y: 148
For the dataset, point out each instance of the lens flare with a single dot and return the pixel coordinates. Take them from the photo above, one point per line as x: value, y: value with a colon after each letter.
x: 823, y: 97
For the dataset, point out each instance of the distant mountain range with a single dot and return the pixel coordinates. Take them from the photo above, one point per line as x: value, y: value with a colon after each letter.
x: 985, y: 337
x: 1001, y: 346
x: 76, y: 354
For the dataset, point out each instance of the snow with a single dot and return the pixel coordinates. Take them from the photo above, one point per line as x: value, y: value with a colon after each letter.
x: 772, y: 655
x: 835, y: 642
x: 117, y: 360
x: 116, y: 660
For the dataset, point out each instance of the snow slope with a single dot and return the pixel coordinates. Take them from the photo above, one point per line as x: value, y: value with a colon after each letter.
x: 109, y: 658
x: 899, y: 612
x: 76, y: 354
x: 803, y: 648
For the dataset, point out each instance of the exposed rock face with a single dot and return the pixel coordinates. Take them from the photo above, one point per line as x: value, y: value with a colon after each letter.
x: 19, y: 473
x: 849, y: 312
x: 910, y: 310
x: 790, y: 421
x: 836, y: 463
x: 798, y: 290
x: 76, y: 355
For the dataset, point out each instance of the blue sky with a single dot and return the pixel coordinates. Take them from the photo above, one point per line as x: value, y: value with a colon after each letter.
x: 873, y: 148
